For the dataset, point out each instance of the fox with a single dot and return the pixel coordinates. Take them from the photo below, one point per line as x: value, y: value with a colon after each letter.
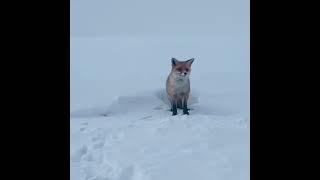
x: 178, y: 85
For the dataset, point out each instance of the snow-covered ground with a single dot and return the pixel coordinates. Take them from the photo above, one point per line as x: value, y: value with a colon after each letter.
x: 121, y: 126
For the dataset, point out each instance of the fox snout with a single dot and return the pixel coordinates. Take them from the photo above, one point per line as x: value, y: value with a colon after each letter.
x: 182, y: 74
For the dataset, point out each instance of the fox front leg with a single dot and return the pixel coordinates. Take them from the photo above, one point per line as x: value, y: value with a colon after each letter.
x: 174, y: 108
x: 185, y: 106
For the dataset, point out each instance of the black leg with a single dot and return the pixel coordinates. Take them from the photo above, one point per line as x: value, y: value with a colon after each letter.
x: 174, y: 108
x: 185, y: 108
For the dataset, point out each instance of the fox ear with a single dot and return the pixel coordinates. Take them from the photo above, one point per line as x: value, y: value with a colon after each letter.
x: 190, y: 61
x: 174, y: 61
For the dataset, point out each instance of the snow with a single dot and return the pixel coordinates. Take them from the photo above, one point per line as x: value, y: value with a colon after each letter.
x: 121, y: 125
x: 122, y: 129
x: 152, y: 144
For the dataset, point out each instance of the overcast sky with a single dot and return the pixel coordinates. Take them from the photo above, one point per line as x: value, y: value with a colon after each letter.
x: 100, y: 18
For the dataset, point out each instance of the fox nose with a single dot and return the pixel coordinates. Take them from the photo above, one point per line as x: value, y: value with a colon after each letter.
x: 185, y: 73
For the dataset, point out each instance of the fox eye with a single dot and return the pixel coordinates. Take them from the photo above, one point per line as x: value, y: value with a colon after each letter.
x: 187, y: 70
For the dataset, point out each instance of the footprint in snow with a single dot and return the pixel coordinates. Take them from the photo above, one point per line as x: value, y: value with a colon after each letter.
x: 84, y: 126
x: 145, y: 117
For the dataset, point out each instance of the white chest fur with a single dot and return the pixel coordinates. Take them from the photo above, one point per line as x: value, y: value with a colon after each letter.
x: 181, y: 85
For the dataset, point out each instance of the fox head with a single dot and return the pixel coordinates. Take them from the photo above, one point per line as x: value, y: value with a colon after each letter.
x: 181, y: 68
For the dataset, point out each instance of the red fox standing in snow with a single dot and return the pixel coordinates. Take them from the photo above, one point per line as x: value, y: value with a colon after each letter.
x: 178, y: 85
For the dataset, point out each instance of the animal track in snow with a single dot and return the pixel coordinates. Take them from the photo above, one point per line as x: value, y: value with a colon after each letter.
x: 84, y: 126
x: 78, y: 153
x: 145, y: 117
x: 158, y: 107
x: 98, y: 138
